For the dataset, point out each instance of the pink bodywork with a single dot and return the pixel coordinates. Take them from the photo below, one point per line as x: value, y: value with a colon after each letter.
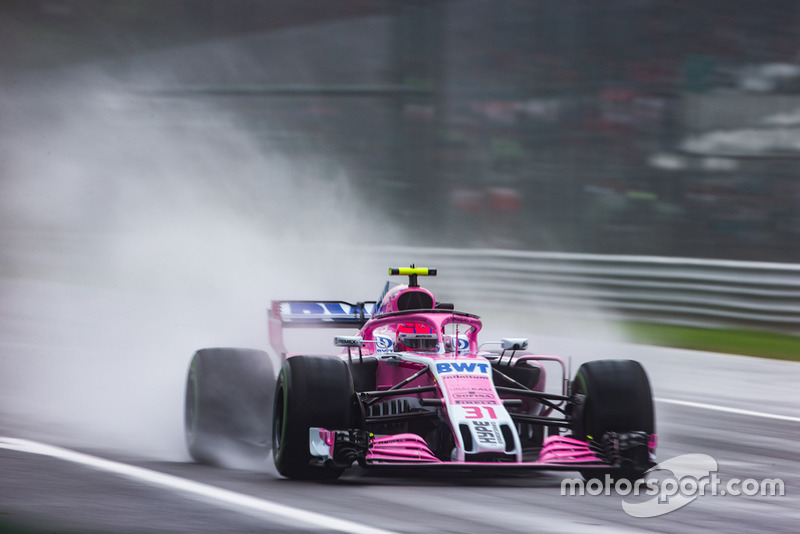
x: 404, y: 449
x: 557, y: 450
x: 437, y: 322
x: 389, y: 375
x: 466, y: 389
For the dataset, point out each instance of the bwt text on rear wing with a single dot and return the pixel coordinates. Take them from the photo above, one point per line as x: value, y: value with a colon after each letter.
x: 314, y: 314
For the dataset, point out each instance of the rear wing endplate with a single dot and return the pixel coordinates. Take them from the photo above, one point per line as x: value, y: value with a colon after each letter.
x: 314, y: 314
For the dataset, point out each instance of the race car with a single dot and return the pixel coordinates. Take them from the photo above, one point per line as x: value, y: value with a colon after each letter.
x: 414, y: 388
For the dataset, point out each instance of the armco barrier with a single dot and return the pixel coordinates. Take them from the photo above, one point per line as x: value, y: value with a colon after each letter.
x: 656, y: 289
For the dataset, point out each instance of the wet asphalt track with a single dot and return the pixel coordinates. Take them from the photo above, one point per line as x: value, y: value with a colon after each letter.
x: 40, y: 493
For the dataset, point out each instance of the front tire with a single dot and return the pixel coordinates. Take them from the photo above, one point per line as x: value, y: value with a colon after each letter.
x: 312, y: 391
x: 616, y: 398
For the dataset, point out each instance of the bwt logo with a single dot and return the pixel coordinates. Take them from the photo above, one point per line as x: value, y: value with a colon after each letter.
x: 462, y: 367
x: 383, y: 343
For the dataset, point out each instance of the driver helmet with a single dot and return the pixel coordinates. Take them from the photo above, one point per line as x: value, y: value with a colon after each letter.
x: 416, y: 337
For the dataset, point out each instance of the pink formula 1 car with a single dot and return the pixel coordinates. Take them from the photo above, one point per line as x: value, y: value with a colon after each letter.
x: 416, y: 389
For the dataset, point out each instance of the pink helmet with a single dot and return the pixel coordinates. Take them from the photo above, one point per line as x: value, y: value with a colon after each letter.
x: 416, y: 337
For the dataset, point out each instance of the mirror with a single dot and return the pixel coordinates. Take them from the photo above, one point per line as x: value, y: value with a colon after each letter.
x: 348, y: 341
x: 514, y: 343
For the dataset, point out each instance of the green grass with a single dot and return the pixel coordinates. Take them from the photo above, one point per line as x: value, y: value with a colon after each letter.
x: 744, y: 342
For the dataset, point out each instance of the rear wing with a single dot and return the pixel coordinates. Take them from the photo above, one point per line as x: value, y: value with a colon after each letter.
x: 314, y: 314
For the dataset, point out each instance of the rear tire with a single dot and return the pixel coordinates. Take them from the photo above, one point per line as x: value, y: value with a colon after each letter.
x: 312, y: 391
x: 617, y: 398
x: 228, y: 405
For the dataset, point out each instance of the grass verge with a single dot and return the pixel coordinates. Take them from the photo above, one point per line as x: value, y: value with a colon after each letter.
x: 728, y: 341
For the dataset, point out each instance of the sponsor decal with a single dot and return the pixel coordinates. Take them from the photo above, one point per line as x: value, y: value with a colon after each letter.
x: 488, y: 433
x: 472, y: 395
x: 461, y: 344
x: 324, y: 309
x: 464, y: 389
x: 462, y: 367
x: 383, y: 343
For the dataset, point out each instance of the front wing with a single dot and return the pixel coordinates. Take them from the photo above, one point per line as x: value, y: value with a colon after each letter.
x: 559, y: 453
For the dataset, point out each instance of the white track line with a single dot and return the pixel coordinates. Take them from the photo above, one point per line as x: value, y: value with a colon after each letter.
x: 726, y: 409
x: 229, y: 499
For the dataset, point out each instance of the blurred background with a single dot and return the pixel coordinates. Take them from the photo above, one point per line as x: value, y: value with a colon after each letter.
x: 647, y: 127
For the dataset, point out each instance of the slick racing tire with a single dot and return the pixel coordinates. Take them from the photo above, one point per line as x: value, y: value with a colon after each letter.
x: 228, y: 405
x: 312, y: 391
x: 617, y: 398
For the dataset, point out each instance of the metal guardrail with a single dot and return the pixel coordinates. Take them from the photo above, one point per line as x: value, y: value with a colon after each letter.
x: 685, y: 291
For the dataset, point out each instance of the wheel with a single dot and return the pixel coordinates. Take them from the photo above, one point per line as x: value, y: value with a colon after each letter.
x: 617, y: 398
x: 312, y: 391
x: 228, y: 404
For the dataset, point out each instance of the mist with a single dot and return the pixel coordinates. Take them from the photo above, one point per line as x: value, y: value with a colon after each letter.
x: 137, y: 230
